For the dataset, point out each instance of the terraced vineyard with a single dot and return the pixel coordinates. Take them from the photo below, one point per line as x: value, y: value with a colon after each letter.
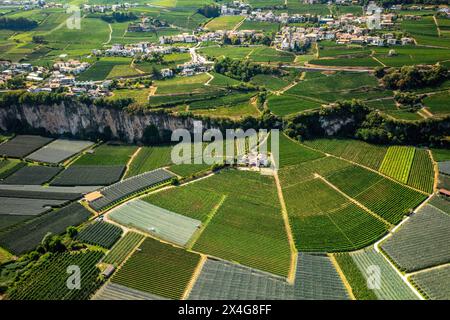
x: 100, y: 233
x: 47, y: 279
x: 158, y: 269
x: 397, y: 163
x: 123, y: 248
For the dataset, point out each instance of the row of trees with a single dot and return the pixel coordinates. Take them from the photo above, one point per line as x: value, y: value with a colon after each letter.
x: 19, y: 24
x: 210, y: 11
x: 353, y: 119
x: 242, y: 70
x: 119, y: 17
x: 412, y: 77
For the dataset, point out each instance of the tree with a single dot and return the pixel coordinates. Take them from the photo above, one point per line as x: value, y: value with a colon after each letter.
x: 72, y: 232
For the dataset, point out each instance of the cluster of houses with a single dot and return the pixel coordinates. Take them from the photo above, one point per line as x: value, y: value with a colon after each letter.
x: 105, y: 8
x: 71, y: 66
x: 11, y: 70
x: 217, y: 36
x: 141, y: 49
x: 146, y: 24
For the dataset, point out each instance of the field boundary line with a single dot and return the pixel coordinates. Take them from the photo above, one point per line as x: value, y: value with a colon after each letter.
x: 287, y: 227
x: 197, y: 271
x: 443, y: 265
x: 354, y: 201
x: 435, y: 169
x: 437, y: 26
x: 129, y: 162
x: 342, y: 276
x: 208, y: 219
x: 110, y: 35
x: 239, y: 24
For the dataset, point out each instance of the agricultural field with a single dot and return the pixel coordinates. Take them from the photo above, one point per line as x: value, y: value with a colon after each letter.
x: 90, y: 175
x: 158, y: 269
x: 100, y: 233
x: 102, y: 156
x: 22, y: 145
x: 47, y: 278
x: 438, y: 103
x: 421, y: 242
x: 123, y: 248
x: 59, y: 150
x: 148, y: 159
x: 113, y: 194
x: 26, y: 236
x: 224, y: 23
x: 9, y: 166
x: 33, y: 175
x: 158, y: 222
x: 182, y: 85
x: 363, y: 153
x: 387, y: 199
x: 286, y: 104
x: 391, y: 286
x: 397, y: 163
x: 433, y: 284
x: 421, y: 175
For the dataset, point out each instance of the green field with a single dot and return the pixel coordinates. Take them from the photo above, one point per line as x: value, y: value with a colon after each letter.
x: 438, y: 103
x: 397, y: 163
x: 107, y: 155
x: 159, y: 269
x: 148, y: 159
x: 286, y: 104
x: 123, y: 248
x: 224, y: 23
x: 421, y: 175
x: 182, y: 84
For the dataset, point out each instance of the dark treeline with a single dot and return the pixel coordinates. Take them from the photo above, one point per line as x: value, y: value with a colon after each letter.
x: 412, y: 77
x: 353, y: 119
x: 209, y: 11
x: 119, y: 17
x: 388, y: 3
x: 50, y: 98
x: 242, y: 70
x: 19, y: 24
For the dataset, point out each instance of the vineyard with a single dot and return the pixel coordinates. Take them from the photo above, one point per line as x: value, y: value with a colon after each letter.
x: 123, y: 248
x: 149, y: 158
x: 293, y: 153
x: 100, y: 233
x: 386, y: 198
x: 249, y: 232
x: 433, y: 283
x: 357, y: 151
x: 355, y: 277
x: 392, y: 287
x: 114, y: 291
x: 47, y: 279
x: 324, y: 220
x: 421, y: 242
x: 159, y: 222
x: 397, y: 163
x: 158, y: 269
x: 192, y: 200
x: 421, y: 175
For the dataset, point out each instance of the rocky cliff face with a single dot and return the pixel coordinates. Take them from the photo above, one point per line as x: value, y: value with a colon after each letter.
x: 80, y: 120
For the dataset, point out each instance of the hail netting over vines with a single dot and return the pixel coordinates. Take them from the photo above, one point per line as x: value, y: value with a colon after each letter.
x: 100, y: 233
x: 47, y: 279
x: 422, y: 241
x: 392, y: 286
x: 114, y: 291
x: 130, y: 186
x: 434, y: 283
